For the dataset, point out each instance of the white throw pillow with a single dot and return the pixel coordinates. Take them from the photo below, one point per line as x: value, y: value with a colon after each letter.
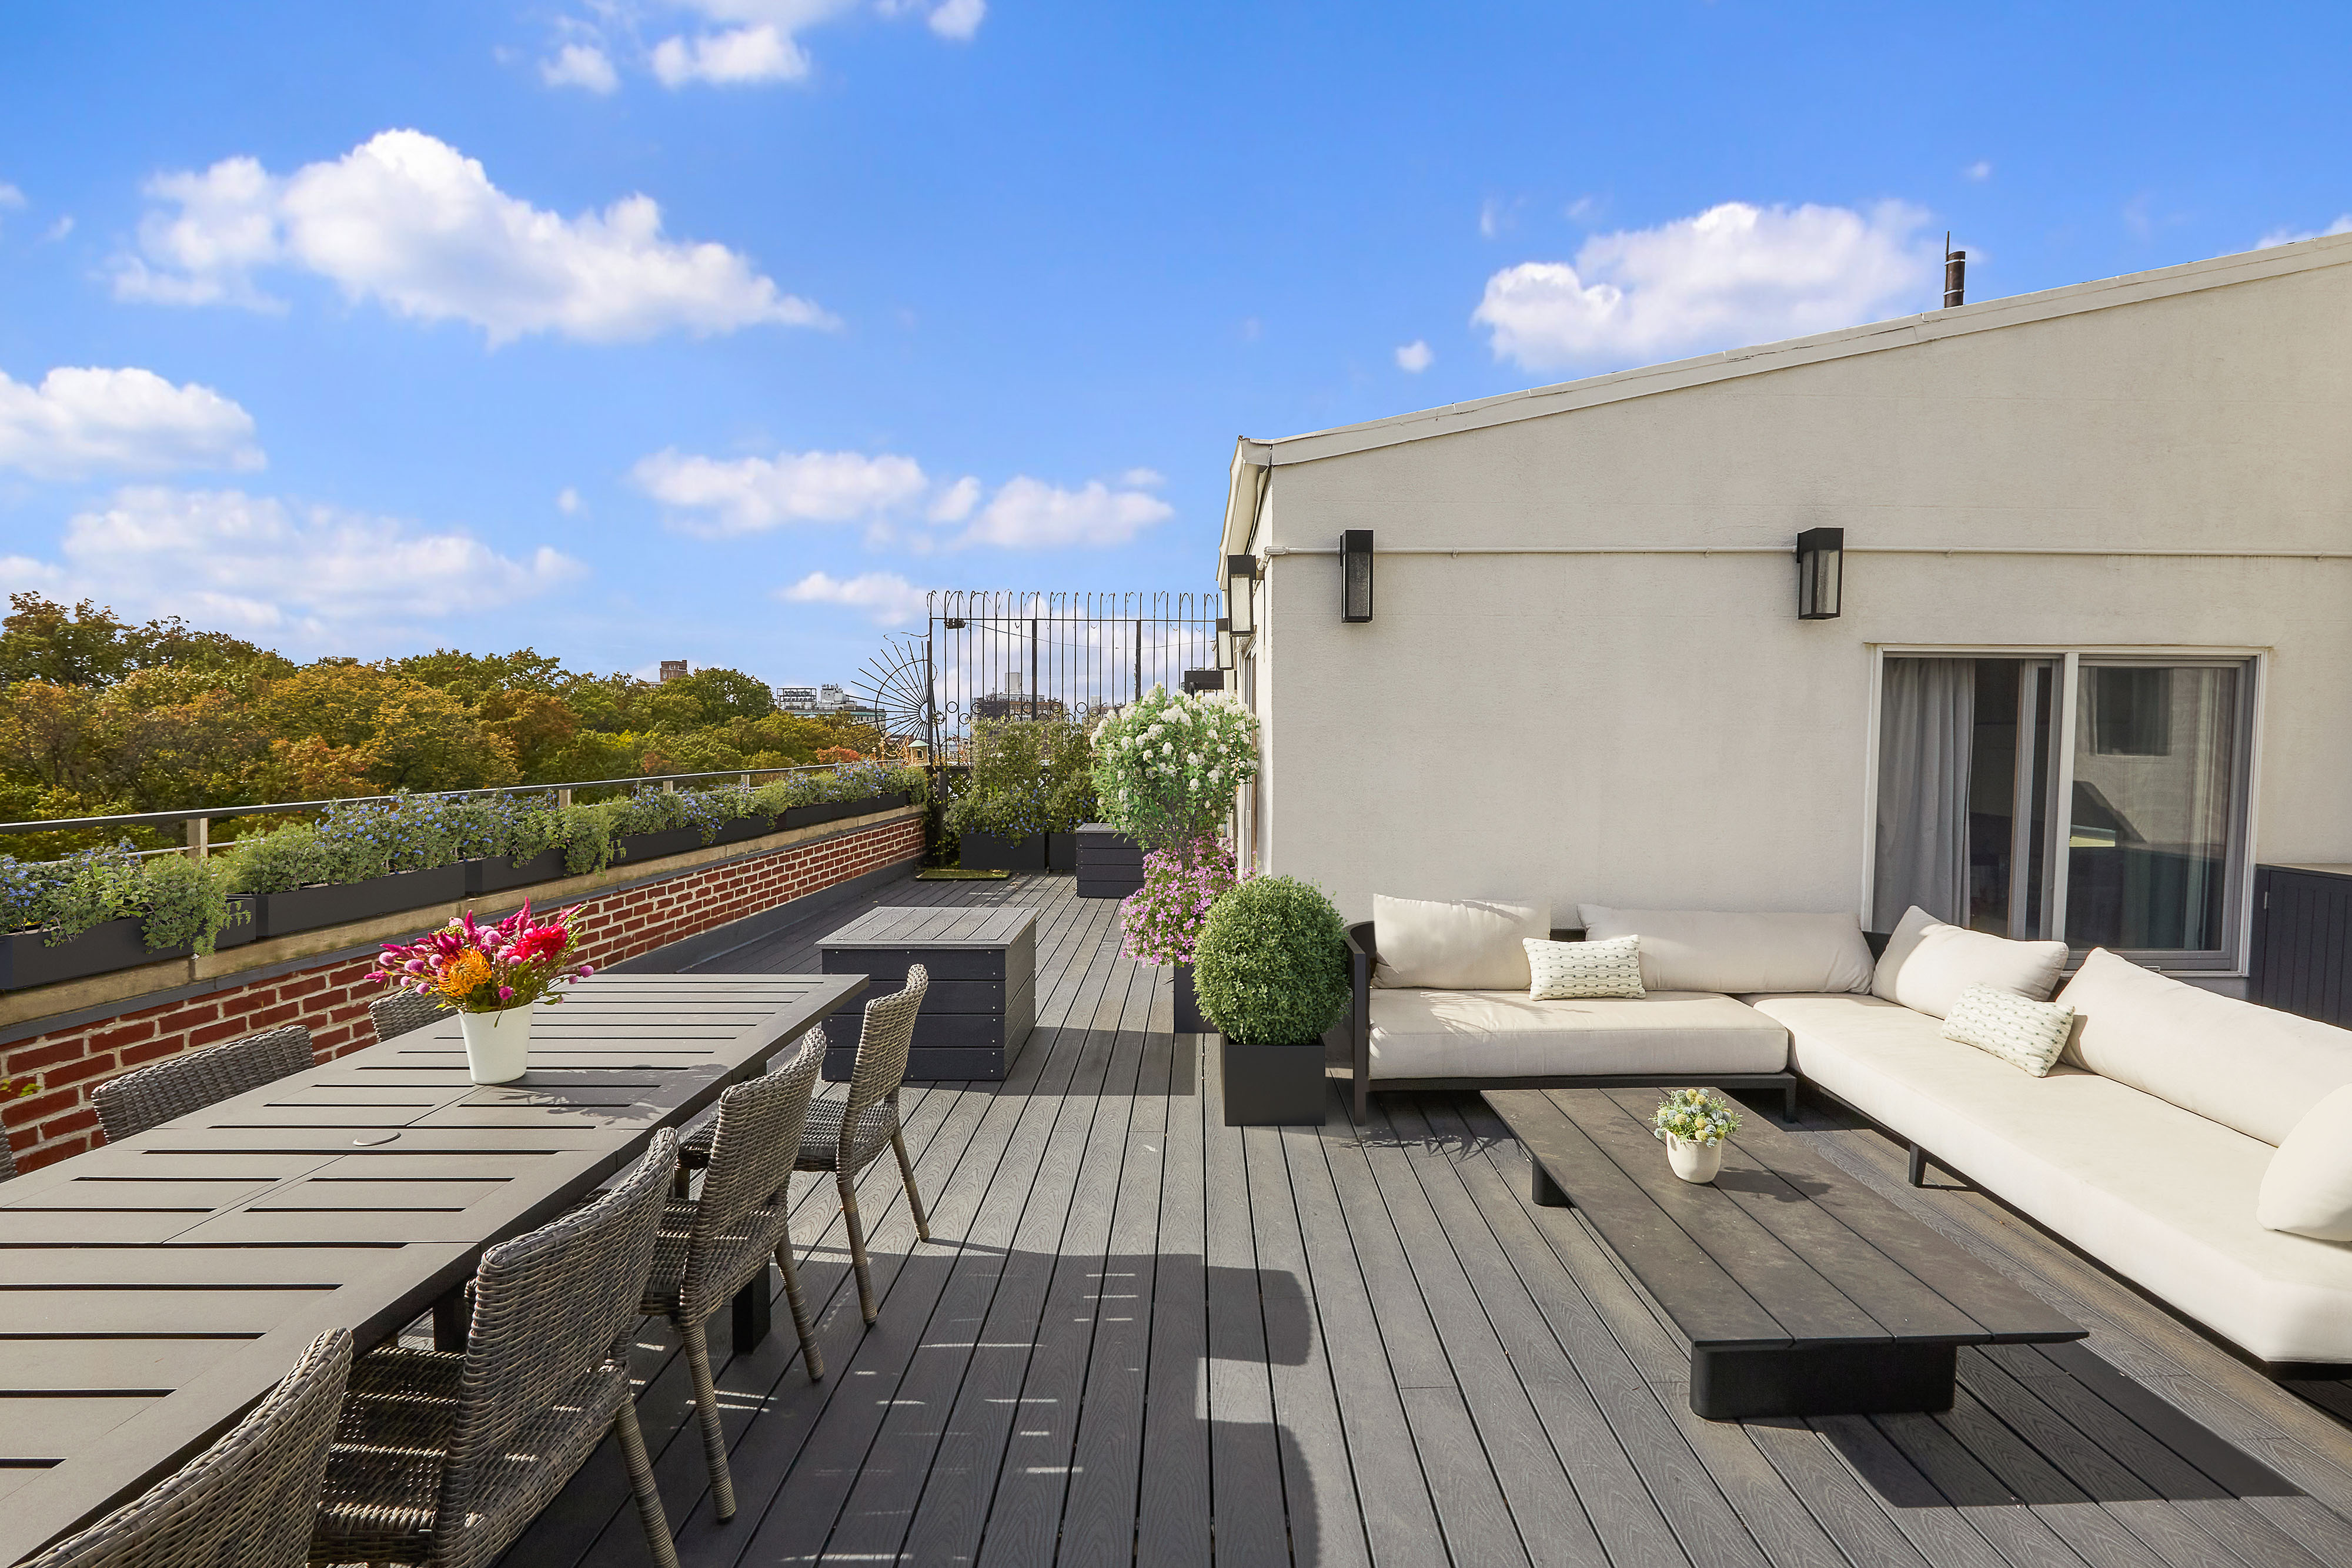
x: 1560, y: 970
x: 2248, y: 1067
x: 2308, y: 1191
x: 1455, y: 945
x: 2023, y: 1033
x: 1699, y: 950
x: 1928, y: 964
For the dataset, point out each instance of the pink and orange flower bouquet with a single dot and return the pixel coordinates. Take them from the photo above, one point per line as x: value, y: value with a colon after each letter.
x: 492, y: 975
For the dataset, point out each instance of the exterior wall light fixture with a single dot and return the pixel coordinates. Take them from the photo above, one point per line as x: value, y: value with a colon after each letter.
x: 1197, y: 680
x: 1820, y: 573
x: 1241, y: 571
x: 1225, y: 643
x: 1356, y: 574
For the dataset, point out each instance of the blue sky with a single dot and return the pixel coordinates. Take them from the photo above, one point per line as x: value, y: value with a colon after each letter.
x: 719, y: 329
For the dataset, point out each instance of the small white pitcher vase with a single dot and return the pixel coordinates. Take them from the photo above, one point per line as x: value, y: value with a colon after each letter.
x: 498, y: 1045
x: 1693, y: 1162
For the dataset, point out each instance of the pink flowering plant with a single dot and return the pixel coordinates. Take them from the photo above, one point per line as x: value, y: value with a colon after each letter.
x: 479, y: 969
x: 1162, y: 919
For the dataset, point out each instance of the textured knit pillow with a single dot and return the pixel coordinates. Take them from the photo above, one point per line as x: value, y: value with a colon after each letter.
x: 1563, y: 970
x: 2020, y: 1030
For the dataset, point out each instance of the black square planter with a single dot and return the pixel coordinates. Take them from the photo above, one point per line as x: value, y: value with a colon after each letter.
x: 309, y: 908
x: 1110, y: 864
x: 1275, y: 1085
x: 986, y: 851
x: 498, y: 873
x: 1189, y: 1020
x: 27, y: 960
x: 1062, y: 853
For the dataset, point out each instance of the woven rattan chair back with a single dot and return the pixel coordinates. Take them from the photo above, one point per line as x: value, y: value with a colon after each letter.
x: 550, y: 1308
x: 7, y: 1157
x: 151, y: 1096
x: 248, y: 1499
x: 396, y: 1013
x: 740, y: 1214
x: 883, y: 1044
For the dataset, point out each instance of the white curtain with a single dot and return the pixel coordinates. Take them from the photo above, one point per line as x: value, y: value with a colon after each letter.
x: 1927, y: 723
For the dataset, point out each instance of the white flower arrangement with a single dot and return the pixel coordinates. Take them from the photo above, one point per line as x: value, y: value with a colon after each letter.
x: 1167, y: 765
x: 1695, y: 1116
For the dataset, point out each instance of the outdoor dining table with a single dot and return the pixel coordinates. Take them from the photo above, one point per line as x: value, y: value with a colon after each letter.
x: 154, y: 1290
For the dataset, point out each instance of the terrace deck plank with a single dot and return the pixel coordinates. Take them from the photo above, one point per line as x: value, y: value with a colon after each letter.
x: 1429, y: 1368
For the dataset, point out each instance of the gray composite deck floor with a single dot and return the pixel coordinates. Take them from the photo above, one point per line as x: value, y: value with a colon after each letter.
x: 1140, y: 1335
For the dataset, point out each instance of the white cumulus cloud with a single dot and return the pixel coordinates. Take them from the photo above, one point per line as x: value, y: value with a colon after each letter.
x: 1979, y: 172
x: 406, y: 220
x: 1029, y: 514
x: 954, y: 504
x: 755, y: 54
x: 580, y: 65
x: 719, y: 497
x: 83, y: 420
x: 1734, y: 274
x: 2342, y: 226
x: 889, y: 598
x: 1414, y: 357
x: 257, y: 564
x: 957, y: 19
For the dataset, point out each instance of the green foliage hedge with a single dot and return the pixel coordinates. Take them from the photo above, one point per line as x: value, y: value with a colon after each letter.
x: 1271, y: 964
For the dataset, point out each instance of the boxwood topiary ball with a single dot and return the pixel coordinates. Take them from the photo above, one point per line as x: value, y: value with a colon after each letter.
x: 1271, y: 965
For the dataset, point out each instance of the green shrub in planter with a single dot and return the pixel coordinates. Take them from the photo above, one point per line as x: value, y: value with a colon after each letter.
x: 1271, y: 964
x: 186, y: 902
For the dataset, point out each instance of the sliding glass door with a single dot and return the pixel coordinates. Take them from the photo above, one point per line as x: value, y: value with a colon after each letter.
x: 2150, y: 757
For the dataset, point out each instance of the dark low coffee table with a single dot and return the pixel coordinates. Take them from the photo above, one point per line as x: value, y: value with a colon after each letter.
x: 1801, y: 1291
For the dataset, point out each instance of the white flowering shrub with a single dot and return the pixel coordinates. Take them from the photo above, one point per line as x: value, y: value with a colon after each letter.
x: 1166, y: 765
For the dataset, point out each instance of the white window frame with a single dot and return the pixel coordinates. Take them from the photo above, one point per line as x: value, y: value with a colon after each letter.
x: 2231, y: 963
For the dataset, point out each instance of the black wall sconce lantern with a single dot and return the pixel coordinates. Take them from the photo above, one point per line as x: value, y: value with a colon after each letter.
x: 1820, y: 573
x: 1199, y: 681
x: 1241, y: 571
x: 1225, y: 643
x: 1356, y: 574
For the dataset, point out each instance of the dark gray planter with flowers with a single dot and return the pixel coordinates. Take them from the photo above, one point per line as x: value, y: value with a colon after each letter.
x: 238, y: 933
x: 498, y: 872
x: 1274, y: 1085
x: 986, y: 851
x: 27, y: 959
x: 338, y: 904
x: 1189, y: 1020
x: 653, y: 846
x: 842, y: 810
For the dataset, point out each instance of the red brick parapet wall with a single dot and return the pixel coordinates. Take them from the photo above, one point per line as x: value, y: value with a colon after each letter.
x: 56, y: 1120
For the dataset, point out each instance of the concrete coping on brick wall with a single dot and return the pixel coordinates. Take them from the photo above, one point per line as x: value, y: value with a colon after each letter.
x: 46, y: 1009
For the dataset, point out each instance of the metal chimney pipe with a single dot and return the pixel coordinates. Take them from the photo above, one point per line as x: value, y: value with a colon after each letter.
x: 1955, y: 274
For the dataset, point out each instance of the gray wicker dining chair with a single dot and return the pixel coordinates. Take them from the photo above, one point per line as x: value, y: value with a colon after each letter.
x: 721, y: 1241
x: 150, y: 1096
x: 844, y: 1135
x: 443, y: 1457
x: 397, y: 1013
x: 248, y: 1499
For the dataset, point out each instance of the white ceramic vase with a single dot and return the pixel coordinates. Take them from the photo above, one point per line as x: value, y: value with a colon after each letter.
x: 1693, y: 1162
x: 498, y: 1045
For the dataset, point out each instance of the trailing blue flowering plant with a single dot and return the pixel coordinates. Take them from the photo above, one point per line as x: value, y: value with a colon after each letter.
x: 1166, y: 765
x: 1162, y: 919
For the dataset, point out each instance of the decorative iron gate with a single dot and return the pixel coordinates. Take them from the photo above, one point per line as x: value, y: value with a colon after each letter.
x: 1033, y: 655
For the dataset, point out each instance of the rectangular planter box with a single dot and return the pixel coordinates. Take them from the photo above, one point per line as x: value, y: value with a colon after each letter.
x: 840, y: 811
x: 986, y: 851
x: 983, y: 1000
x: 238, y: 935
x: 308, y: 908
x: 1274, y: 1085
x: 26, y: 960
x: 653, y: 846
x: 1062, y: 853
x: 742, y: 828
x: 1188, y: 1017
x: 1110, y: 864
x: 498, y: 873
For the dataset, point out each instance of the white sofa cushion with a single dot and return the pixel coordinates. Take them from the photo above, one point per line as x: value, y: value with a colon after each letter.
x: 1467, y: 945
x: 2308, y: 1188
x: 1560, y: 970
x: 2025, y: 1033
x: 1928, y: 964
x: 2248, y: 1067
x: 2161, y: 1195
x: 1701, y: 950
x: 1507, y: 1034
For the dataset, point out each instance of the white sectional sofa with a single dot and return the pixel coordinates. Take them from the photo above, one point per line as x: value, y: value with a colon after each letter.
x: 2146, y: 1146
